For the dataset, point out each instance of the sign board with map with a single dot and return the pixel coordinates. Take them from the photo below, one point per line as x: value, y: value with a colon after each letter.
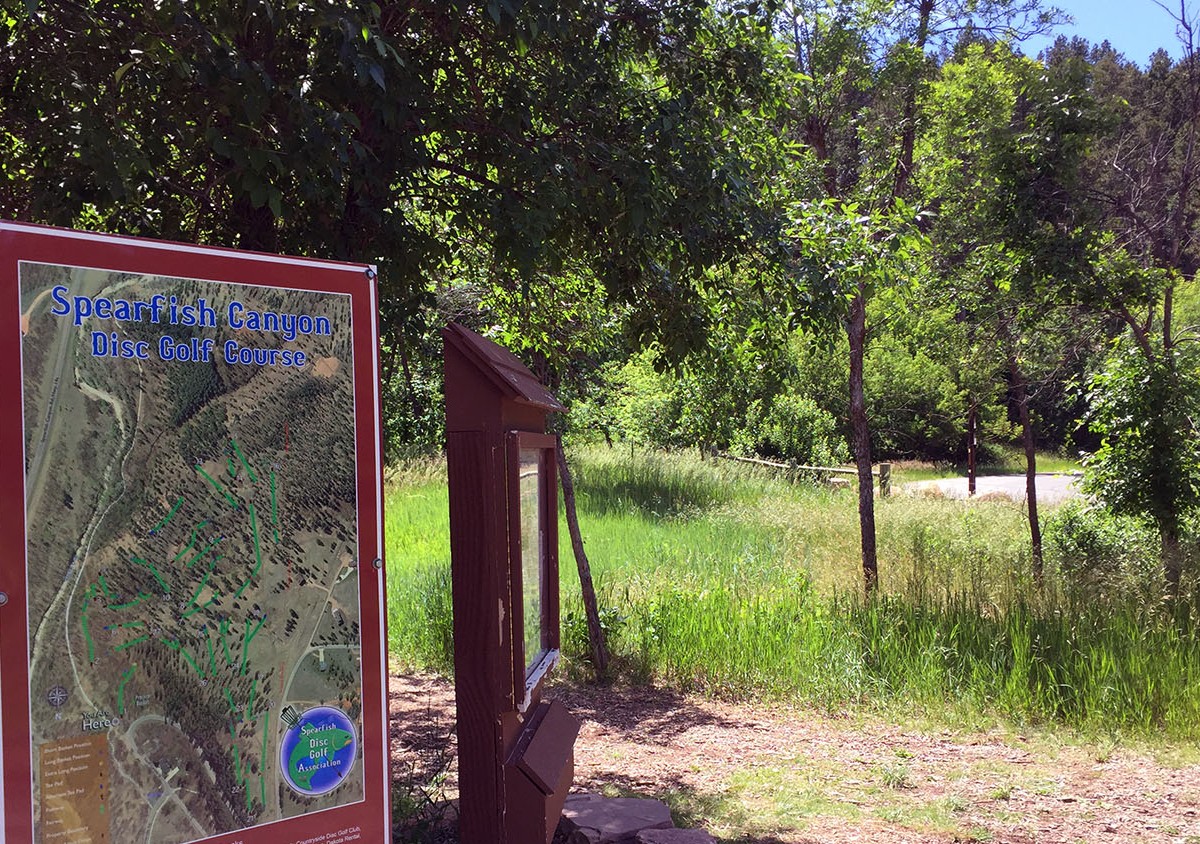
x: 192, y: 642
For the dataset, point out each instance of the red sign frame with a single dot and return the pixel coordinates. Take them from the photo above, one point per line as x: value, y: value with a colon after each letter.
x: 367, y: 820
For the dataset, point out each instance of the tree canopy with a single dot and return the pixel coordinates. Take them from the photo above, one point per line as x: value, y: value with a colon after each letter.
x: 439, y: 140
x: 780, y: 227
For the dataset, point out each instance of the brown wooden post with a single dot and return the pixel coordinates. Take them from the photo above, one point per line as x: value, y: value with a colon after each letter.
x: 515, y: 751
x: 591, y: 608
x: 885, y: 480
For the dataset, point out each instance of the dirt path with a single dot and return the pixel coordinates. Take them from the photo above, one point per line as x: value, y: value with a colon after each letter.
x: 1051, y: 488
x: 797, y: 777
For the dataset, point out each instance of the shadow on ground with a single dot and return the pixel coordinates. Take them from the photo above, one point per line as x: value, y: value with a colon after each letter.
x: 648, y: 714
x: 423, y: 748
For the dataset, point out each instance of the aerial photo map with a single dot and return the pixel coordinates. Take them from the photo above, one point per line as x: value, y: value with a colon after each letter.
x: 191, y: 555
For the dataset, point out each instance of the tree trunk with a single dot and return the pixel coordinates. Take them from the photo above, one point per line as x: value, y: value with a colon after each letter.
x: 860, y: 435
x: 1167, y: 317
x: 908, y: 135
x: 409, y: 388
x: 590, y: 608
x: 1021, y: 394
x: 972, y: 444
x: 255, y: 226
x: 1172, y: 558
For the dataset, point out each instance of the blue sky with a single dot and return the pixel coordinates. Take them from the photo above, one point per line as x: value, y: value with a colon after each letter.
x: 1134, y: 27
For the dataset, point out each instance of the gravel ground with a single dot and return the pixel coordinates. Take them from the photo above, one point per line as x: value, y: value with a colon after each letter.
x: 787, y: 776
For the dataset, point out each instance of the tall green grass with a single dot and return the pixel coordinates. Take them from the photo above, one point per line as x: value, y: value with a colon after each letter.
x: 417, y: 547
x: 721, y: 579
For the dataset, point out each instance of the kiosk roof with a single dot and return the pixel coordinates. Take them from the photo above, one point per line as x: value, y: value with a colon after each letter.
x: 503, y: 368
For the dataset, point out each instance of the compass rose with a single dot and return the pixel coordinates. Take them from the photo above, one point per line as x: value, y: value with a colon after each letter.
x: 57, y: 696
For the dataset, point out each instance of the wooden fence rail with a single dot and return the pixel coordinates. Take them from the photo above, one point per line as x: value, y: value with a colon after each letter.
x: 884, y: 472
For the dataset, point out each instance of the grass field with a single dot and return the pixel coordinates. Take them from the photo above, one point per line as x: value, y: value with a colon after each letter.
x: 717, y: 578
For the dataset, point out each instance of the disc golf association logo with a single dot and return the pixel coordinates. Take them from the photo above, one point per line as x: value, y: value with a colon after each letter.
x: 318, y: 751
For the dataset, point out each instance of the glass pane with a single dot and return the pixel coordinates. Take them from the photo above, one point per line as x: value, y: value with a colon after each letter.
x: 531, y: 551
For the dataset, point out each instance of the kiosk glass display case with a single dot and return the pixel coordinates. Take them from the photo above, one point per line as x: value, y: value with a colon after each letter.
x: 532, y: 552
x: 532, y: 530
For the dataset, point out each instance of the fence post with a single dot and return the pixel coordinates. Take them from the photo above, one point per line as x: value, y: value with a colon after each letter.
x: 885, y: 480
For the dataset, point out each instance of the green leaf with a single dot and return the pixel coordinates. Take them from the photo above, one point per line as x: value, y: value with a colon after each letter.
x: 121, y: 71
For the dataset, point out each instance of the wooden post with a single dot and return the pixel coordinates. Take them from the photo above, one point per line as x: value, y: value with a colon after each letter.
x: 885, y: 480
x: 483, y: 671
x: 590, y: 608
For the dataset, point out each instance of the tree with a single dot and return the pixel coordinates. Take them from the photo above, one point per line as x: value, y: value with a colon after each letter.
x: 506, y: 143
x: 1005, y: 152
x: 1145, y: 173
x: 1145, y: 407
x: 861, y: 69
x: 847, y: 255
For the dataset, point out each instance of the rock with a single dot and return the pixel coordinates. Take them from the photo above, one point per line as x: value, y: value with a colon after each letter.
x: 592, y: 819
x: 675, y: 836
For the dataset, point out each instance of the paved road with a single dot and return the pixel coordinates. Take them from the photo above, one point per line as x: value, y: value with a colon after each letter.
x: 1050, y: 488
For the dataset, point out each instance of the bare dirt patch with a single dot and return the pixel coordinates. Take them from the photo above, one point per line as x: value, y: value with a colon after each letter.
x: 326, y: 367
x: 753, y: 774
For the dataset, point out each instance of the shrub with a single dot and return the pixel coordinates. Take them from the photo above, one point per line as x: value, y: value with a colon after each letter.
x: 576, y: 644
x: 794, y: 428
x: 913, y: 403
x: 1094, y: 547
x: 646, y: 406
x: 414, y: 420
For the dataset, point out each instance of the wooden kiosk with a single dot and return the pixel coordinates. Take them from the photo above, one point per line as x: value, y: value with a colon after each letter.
x: 516, y: 750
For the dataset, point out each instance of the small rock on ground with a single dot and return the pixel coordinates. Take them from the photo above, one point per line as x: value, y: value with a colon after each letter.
x: 592, y: 819
x: 675, y: 836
